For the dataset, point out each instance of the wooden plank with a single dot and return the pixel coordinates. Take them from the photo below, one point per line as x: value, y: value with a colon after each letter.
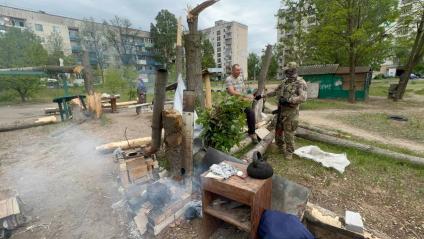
x: 9, y: 207
x: 228, y: 217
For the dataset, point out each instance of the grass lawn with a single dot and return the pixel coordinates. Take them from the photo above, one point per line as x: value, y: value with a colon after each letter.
x: 380, y: 87
x: 321, y: 104
x: 413, y: 129
x: 386, y: 192
x: 46, y: 95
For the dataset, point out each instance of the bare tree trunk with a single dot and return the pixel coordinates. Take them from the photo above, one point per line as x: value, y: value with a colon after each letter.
x: 179, y: 50
x: 258, y: 105
x: 415, y: 56
x: 352, y: 85
x: 159, y: 102
x: 88, y: 74
x: 193, y: 44
x: 173, y: 125
x: 193, y: 65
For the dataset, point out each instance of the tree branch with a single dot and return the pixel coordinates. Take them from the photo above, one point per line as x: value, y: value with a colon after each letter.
x: 199, y: 8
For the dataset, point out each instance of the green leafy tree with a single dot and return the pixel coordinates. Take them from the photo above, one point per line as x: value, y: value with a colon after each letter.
x: 114, y: 81
x: 130, y: 75
x: 352, y: 33
x: 207, y: 55
x: 253, y: 66
x: 21, y: 48
x: 164, y: 35
x: 223, y: 124
x: 293, y: 19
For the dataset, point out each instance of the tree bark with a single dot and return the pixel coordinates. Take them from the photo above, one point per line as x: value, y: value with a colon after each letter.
x: 258, y: 105
x: 173, y: 125
x: 24, y: 125
x: 88, y: 74
x: 260, y: 147
x: 192, y: 42
x: 415, y: 56
x: 193, y: 65
x: 179, y: 50
x: 159, y: 101
x: 352, y: 85
x: 127, y: 144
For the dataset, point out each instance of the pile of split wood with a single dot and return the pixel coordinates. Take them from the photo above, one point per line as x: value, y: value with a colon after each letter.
x: 10, y: 213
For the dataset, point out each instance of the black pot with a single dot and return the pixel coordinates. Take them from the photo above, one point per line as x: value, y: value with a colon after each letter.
x: 259, y: 168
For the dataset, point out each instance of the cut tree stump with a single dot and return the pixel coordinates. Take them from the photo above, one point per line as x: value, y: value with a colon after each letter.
x: 173, y: 125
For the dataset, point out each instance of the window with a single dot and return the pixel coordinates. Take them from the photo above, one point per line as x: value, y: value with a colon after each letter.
x: 218, y: 38
x: 218, y: 33
x: 38, y: 27
x: 218, y: 49
x: 56, y: 29
x: 16, y: 22
x: 219, y: 54
x: 73, y: 34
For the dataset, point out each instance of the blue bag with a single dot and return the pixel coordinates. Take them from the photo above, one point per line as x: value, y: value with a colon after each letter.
x: 279, y: 225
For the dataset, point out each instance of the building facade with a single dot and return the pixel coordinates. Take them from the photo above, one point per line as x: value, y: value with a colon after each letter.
x: 44, y: 25
x: 229, y: 41
x: 293, y: 22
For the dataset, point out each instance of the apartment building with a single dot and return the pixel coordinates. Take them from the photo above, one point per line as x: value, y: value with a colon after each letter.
x: 229, y: 41
x: 44, y: 24
x: 292, y: 20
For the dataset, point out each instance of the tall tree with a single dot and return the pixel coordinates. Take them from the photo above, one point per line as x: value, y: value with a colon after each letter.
x: 164, y: 34
x: 353, y: 32
x: 207, y: 54
x: 253, y: 65
x: 416, y: 53
x: 55, y: 48
x: 121, y: 37
x: 94, y: 40
x: 293, y: 22
x: 20, y: 49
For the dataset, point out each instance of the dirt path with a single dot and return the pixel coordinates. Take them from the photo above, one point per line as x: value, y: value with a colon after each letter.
x: 67, y: 188
x: 323, y: 119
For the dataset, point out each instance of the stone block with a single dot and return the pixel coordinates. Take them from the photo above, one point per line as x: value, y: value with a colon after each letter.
x: 354, y: 222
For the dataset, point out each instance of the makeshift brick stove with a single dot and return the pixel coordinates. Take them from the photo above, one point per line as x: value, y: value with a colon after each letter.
x: 164, y: 201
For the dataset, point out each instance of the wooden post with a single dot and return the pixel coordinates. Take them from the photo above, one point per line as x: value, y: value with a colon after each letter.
x: 159, y: 102
x: 173, y: 125
x: 208, y: 90
x: 192, y: 42
x: 258, y: 105
x: 179, y: 49
x: 188, y: 117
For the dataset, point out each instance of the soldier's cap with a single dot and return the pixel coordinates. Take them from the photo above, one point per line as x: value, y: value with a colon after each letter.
x: 290, y: 66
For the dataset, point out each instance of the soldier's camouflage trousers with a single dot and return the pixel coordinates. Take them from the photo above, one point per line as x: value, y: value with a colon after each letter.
x: 285, y: 129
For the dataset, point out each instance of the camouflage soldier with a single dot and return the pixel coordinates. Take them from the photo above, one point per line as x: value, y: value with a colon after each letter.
x: 292, y: 92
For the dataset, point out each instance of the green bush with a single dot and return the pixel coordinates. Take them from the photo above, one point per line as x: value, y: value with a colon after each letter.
x: 223, y: 124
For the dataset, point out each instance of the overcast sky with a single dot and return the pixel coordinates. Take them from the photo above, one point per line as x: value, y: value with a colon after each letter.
x: 259, y: 15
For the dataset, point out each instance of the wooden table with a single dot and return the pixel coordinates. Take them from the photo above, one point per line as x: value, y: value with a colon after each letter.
x: 251, y: 192
x: 64, y: 109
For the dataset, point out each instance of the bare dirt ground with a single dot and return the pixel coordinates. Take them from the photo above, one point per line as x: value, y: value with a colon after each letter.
x: 324, y: 119
x: 68, y: 190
